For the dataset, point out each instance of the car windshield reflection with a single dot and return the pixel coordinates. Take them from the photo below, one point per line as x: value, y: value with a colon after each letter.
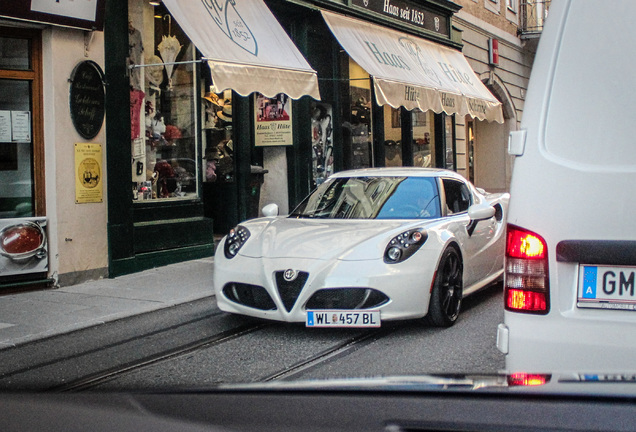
x: 373, y: 198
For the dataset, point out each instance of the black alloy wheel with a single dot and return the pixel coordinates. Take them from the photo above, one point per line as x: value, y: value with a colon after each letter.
x: 446, y: 297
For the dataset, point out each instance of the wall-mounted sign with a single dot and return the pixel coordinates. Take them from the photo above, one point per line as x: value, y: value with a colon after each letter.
x: 273, y: 120
x: 86, y: 99
x: 80, y: 9
x: 493, y: 51
x: 83, y: 14
x: 407, y: 12
x: 88, y: 173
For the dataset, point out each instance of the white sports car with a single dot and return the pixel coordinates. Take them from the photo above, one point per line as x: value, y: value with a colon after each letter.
x: 366, y: 246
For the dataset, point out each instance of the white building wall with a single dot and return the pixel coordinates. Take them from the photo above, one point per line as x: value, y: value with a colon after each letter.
x: 78, y: 239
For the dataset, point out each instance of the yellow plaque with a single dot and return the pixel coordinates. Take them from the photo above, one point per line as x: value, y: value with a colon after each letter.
x: 88, y: 173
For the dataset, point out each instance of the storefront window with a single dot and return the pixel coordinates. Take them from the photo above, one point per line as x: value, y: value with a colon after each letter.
x: 162, y: 106
x: 15, y: 54
x: 470, y: 138
x: 21, y: 146
x: 16, y: 172
x: 423, y: 138
x: 321, y: 142
x: 449, y: 144
x: 357, y: 132
x: 218, y: 142
x: 392, y: 136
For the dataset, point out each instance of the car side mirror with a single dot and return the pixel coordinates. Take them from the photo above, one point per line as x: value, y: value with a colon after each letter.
x: 479, y: 212
x: 272, y: 210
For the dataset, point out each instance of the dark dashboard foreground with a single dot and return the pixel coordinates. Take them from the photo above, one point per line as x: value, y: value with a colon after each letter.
x: 315, y: 411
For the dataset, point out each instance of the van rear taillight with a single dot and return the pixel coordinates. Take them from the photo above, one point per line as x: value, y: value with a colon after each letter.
x: 518, y: 299
x: 526, y: 278
x: 526, y: 379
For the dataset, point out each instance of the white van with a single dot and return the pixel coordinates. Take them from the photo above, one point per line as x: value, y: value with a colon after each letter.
x: 570, y: 281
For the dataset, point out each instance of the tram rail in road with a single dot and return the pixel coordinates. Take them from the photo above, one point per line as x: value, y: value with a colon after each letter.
x: 337, y: 351
x: 196, y: 345
x: 100, y: 378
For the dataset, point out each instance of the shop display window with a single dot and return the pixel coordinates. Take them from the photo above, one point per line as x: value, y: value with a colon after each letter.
x: 21, y: 144
x: 449, y: 142
x: 470, y: 143
x: 16, y: 166
x: 218, y: 137
x: 357, y: 130
x: 162, y: 106
x: 321, y: 142
x: 423, y: 138
x: 15, y: 53
x: 392, y: 136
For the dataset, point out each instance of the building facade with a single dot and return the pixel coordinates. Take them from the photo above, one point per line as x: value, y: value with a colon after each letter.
x: 53, y: 202
x: 139, y: 134
x: 513, y: 26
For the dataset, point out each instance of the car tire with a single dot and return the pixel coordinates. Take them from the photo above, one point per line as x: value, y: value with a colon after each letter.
x: 446, y: 296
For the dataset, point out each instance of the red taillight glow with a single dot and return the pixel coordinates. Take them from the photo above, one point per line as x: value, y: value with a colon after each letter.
x: 525, y: 300
x: 525, y: 379
x: 526, y: 277
x: 524, y: 244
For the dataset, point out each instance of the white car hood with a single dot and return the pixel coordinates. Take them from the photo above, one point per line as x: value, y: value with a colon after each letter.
x: 322, y: 239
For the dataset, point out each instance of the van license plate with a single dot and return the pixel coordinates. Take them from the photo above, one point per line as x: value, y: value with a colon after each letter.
x: 607, y: 287
x: 341, y: 318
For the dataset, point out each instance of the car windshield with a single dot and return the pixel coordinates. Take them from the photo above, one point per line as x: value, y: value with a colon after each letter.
x: 372, y: 198
x: 309, y: 215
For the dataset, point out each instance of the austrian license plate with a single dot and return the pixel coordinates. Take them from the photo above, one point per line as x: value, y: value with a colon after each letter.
x: 341, y: 318
x: 607, y: 287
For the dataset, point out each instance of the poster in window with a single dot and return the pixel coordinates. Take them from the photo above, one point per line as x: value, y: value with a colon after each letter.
x: 273, y: 120
x: 21, y: 126
x: 88, y: 173
x: 5, y: 126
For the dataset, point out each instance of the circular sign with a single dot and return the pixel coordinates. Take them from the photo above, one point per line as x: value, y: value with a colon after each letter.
x: 86, y: 99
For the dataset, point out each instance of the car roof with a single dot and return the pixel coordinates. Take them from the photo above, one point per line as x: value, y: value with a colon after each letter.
x: 398, y: 172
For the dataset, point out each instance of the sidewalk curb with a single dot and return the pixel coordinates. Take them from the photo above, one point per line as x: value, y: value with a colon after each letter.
x: 34, y: 315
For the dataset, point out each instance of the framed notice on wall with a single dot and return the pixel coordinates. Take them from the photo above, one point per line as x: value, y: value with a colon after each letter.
x: 273, y: 120
x: 88, y: 173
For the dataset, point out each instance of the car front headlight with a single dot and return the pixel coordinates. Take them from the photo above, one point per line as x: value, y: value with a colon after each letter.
x: 235, y: 241
x: 402, y: 246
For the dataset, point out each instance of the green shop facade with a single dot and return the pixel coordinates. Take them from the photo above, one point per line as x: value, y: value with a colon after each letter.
x: 199, y: 138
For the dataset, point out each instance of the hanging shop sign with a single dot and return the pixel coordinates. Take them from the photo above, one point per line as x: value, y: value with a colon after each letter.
x: 273, y: 120
x: 88, y: 173
x: 82, y: 14
x: 493, y: 52
x: 407, y: 12
x: 86, y: 99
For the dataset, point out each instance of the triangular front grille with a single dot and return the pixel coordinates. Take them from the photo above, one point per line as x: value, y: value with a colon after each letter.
x: 289, y: 290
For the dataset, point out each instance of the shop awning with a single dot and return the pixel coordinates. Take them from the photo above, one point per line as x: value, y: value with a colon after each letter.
x: 246, y: 48
x: 412, y: 72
